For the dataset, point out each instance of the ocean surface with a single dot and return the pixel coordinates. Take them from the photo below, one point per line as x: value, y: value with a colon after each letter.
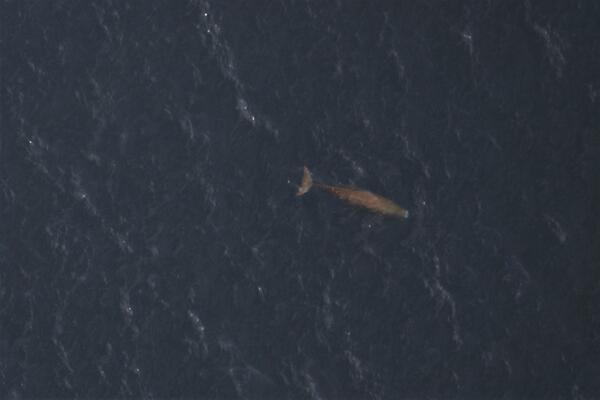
x: 152, y: 246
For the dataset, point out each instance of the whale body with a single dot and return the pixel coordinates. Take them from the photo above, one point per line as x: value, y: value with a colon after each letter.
x: 355, y: 196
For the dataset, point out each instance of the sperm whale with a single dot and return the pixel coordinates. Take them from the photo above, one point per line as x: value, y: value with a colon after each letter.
x: 355, y: 196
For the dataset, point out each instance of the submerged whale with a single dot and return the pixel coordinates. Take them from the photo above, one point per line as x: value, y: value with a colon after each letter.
x: 358, y: 197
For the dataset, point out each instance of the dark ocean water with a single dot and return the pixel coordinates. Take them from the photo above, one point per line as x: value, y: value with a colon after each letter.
x: 151, y: 245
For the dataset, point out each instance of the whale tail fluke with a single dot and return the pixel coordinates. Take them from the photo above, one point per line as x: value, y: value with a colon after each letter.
x: 306, y: 184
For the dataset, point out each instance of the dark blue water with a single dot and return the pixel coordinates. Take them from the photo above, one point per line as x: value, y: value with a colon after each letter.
x: 151, y: 245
